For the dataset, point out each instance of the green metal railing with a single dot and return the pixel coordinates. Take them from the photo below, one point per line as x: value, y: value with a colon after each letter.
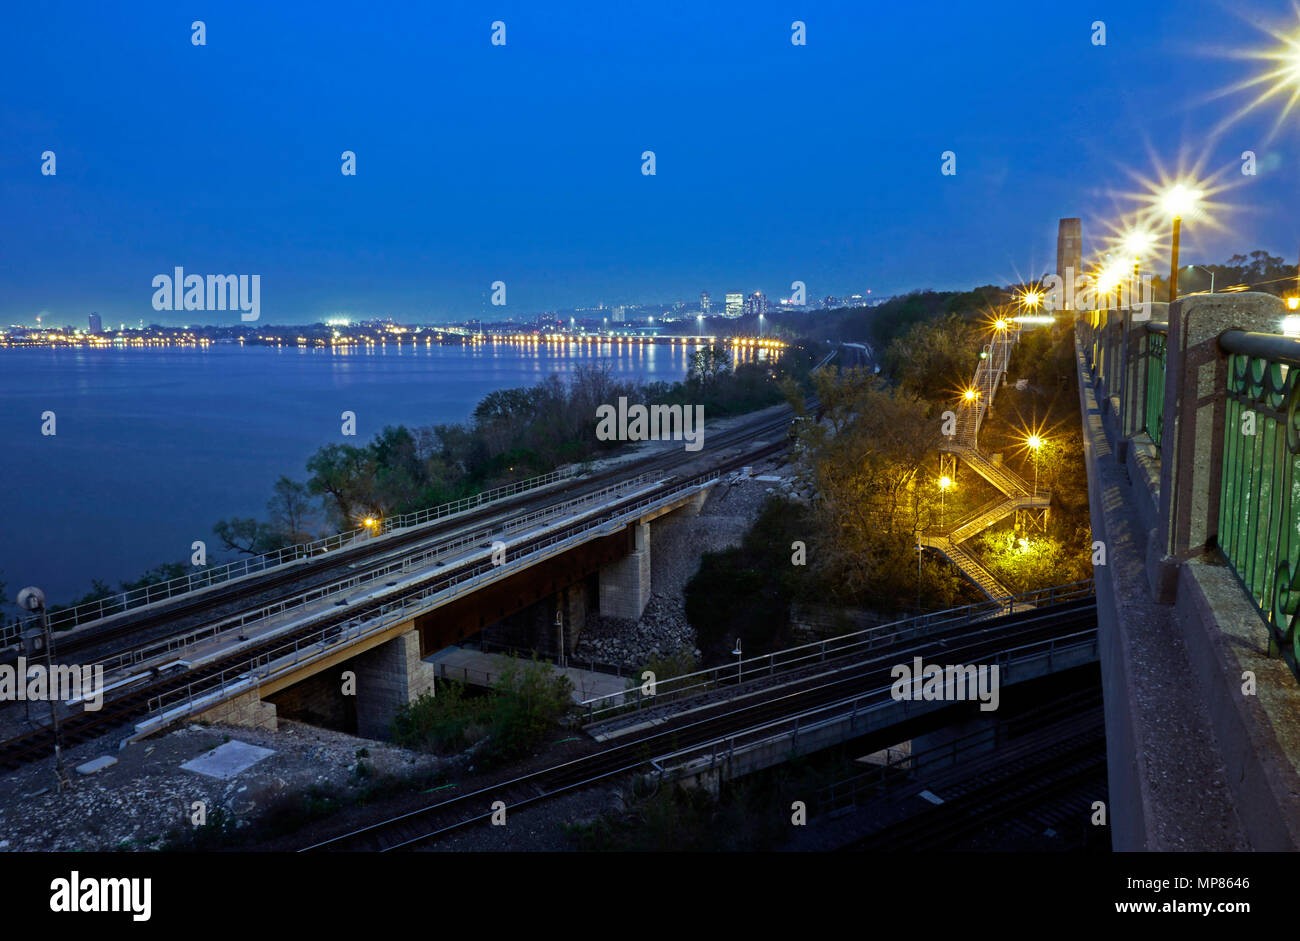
x: 1154, y: 354
x: 1259, y: 507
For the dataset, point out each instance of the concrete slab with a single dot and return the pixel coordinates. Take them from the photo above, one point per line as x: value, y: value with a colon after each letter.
x: 226, y: 761
x: 97, y: 764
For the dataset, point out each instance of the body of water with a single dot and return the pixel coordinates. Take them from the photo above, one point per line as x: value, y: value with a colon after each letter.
x: 155, y: 445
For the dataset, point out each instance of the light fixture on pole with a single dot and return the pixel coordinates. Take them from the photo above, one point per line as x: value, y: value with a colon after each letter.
x: 1035, y: 443
x: 1207, y: 271
x: 739, y: 662
x: 1178, y: 201
x: 1136, y: 244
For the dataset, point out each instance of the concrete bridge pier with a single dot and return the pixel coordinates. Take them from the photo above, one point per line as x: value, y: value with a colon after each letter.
x: 389, y: 677
x: 625, y: 584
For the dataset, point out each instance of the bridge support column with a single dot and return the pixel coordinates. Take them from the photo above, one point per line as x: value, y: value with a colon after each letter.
x: 625, y: 585
x: 389, y: 677
x: 1191, y: 465
x: 697, y: 503
x: 246, y: 710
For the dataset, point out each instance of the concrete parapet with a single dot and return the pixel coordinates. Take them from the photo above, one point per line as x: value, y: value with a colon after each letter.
x: 1260, y: 740
x: 1189, y: 761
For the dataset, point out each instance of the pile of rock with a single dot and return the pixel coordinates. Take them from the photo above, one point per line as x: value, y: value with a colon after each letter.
x: 661, y: 632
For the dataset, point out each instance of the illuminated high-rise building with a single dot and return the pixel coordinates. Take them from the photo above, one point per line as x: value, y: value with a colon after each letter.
x: 735, y: 305
x: 704, y: 303
x: 96, y: 324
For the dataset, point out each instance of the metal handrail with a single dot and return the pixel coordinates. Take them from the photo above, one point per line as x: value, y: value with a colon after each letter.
x: 817, y: 651
x: 1270, y: 346
x: 799, y: 722
x: 209, y: 576
x: 319, y: 642
x: 344, y: 586
x: 1156, y: 326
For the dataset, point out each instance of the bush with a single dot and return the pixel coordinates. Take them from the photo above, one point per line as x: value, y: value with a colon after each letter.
x: 530, y: 699
x: 746, y: 592
x: 444, y: 723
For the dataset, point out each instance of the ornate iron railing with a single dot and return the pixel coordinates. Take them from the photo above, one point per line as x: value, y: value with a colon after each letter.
x: 1259, y: 508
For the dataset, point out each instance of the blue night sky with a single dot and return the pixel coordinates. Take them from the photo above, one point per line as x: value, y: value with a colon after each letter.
x: 523, y: 163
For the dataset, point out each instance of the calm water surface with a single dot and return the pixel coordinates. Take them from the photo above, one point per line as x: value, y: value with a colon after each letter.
x: 155, y: 445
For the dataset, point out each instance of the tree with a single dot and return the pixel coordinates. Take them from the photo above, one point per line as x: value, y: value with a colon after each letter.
x: 935, y: 358
x: 247, y: 536
x: 874, y: 497
x: 292, y: 514
x: 707, y: 365
x: 346, y: 474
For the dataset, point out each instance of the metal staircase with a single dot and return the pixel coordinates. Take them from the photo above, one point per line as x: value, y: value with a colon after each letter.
x: 963, y: 446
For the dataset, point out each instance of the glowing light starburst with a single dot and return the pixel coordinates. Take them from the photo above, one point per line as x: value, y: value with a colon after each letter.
x: 1277, y: 82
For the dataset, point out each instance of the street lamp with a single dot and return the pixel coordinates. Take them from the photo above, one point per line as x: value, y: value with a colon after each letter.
x: 739, y: 662
x: 1035, y: 443
x: 1177, y: 201
x: 944, y: 483
x: 1135, y: 244
x: 1207, y: 271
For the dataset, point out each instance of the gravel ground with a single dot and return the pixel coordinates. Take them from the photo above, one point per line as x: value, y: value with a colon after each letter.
x: 136, y: 802
x: 539, y: 828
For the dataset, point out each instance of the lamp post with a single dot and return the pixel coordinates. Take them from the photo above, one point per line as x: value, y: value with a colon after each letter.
x: 739, y: 662
x: 1177, y: 201
x: 1135, y: 243
x: 1207, y: 271
x: 944, y: 483
x: 1035, y: 442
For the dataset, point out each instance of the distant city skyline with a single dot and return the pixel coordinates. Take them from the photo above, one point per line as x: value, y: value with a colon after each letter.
x: 523, y: 164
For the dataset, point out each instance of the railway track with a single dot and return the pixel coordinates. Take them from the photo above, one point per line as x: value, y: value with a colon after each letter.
x: 156, y: 622
x: 156, y: 693
x: 1053, y: 763
x: 634, y: 752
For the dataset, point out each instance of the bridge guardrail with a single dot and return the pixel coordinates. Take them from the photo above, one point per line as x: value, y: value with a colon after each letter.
x: 64, y: 618
x: 344, y: 586
x: 287, y: 656
x: 1246, y: 479
x: 790, y: 658
x: 723, y: 748
x: 1259, y: 513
